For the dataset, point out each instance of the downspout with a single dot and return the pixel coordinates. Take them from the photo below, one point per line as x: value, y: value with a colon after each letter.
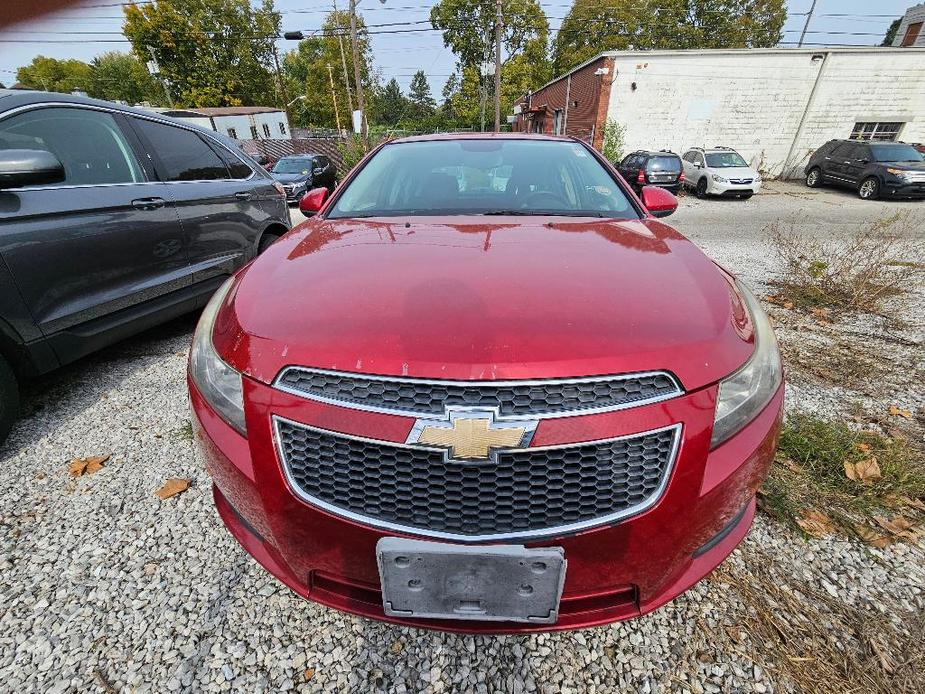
x: 785, y: 170
x: 568, y: 94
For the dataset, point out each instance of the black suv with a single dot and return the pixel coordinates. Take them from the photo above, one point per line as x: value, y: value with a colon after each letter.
x: 301, y: 172
x: 113, y: 220
x: 647, y: 168
x: 873, y: 169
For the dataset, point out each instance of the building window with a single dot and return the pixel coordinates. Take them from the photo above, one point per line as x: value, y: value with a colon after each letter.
x: 282, y: 128
x: 557, y: 122
x: 232, y: 133
x: 911, y: 35
x: 883, y: 132
x: 266, y: 130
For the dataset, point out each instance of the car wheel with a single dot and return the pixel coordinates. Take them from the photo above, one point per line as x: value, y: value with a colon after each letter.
x: 870, y: 189
x: 814, y: 177
x: 9, y: 398
x: 266, y: 241
x: 702, y: 188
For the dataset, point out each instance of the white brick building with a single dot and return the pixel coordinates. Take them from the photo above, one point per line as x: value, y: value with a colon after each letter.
x: 238, y: 122
x: 775, y: 105
x: 910, y: 31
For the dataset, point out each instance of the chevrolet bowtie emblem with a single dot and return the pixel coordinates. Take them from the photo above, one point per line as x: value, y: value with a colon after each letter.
x: 471, y: 434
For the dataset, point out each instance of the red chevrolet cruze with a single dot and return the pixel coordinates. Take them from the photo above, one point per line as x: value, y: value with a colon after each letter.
x: 485, y: 389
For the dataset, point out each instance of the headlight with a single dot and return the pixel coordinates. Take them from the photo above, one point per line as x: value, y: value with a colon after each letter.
x: 757, y: 178
x: 720, y: 179
x: 219, y: 384
x: 745, y: 393
x: 899, y: 173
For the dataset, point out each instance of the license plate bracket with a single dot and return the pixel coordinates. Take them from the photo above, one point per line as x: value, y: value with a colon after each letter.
x: 433, y: 580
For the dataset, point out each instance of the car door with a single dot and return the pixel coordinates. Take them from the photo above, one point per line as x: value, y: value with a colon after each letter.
x: 627, y: 168
x: 857, y: 159
x: 92, y: 250
x: 834, y: 162
x: 323, y: 173
x: 222, y: 216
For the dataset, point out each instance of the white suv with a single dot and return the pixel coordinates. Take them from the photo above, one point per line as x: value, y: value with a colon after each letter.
x: 719, y: 171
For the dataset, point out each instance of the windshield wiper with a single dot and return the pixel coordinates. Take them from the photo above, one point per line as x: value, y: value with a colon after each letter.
x: 542, y: 213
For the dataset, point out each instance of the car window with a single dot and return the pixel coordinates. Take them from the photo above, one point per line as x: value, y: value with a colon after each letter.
x: 483, y: 176
x: 88, y: 143
x: 843, y: 149
x: 859, y: 152
x: 664, y: 163
x: 184, y: 155
x: 293, y: 165
x: 725, y: 160
x: 236, y: 168
x: 895, y: 153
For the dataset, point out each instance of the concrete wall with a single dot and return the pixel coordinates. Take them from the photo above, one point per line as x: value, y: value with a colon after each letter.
x: 914, y: 14
x: 755, y: 100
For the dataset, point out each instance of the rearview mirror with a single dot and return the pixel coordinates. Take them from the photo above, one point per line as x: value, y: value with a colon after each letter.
x: 29, y: 167
x: 313, y: 201
x: 658, y: 201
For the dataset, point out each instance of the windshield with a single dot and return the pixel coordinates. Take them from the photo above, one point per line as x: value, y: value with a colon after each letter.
x: 664, y: 163
x: 725, y: 160
x: 895, y: 153
x: 293, y: 166
x: 483, y: 176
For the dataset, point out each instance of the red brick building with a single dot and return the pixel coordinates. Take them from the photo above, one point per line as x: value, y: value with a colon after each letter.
x: 574, y: 104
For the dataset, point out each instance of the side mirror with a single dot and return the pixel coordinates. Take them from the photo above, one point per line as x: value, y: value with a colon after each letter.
x: 313, y: 201
x: 658, y: 201
x: 29, y: 167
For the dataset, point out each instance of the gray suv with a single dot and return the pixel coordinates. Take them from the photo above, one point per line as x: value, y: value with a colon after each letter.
x: 113, y: 220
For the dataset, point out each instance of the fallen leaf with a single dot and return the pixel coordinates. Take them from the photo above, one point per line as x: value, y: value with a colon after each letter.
x: 863, y: 447
x: 308, y: 674
x: 397, y: 647
x: 864, y: 471
x: 914, y: 503
x: 790, y: 465
x: 87, y: 466
x: 899, y: 526
x: 872, y: 537
x: 172, y: 487
x: 886, y: 660
x: 150, y: 569
x: 822, y: 315
x: 899, y: 412
x: 780, y: 301
x: 815, y: 523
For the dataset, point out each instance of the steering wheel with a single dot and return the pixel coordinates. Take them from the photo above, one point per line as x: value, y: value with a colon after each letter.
x: 530, y: 200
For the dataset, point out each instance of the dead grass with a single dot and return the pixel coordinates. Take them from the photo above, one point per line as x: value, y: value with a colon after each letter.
x: 822, y: 644
x: 861, y: 272
x: 853, y: 364
x: 811, y: 475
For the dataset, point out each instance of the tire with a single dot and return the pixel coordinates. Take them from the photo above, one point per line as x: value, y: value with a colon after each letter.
x: 9, y: 399
x: 869, y: 188
x: 266, y: 241
x: 701, y: 189
x: 814, y: 177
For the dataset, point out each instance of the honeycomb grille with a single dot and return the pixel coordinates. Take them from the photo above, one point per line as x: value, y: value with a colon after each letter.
x: 512, y: 398
x: 522, y: 493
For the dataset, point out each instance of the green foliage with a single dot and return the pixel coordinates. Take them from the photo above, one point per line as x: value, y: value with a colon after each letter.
x: 891, y: 32
x: 352, y: 151
x: 52, y: 75
x: 216, y: 53
x: 391, y: 105
x: 593, y: 26
x: 306, y: 70
x: 613, y: 137
x: 122, y: 77
x: 419, y: 94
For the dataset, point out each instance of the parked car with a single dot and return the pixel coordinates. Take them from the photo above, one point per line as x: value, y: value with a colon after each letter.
x: 719, y: 171
x: 113, y: 220
x: 873, y: 169
x: 662, y: 169
x: 485, y: 389
x: 300, y: 172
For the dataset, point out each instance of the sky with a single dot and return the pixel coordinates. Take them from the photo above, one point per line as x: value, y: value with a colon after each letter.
x: 396, y: 55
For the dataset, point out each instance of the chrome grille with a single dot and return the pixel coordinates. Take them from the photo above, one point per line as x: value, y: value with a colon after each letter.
x: 530, y: 492
x: 527, y: 399
x: 740, y: 181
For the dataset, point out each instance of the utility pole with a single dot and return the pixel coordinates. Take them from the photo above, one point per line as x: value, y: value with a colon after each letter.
x: 809, y: 16
x: 282, y: 86
x: 334, y: 96
x: 497, y: 66
x: 343, y: 62
x: 356, y: 72
x: 160, y: 77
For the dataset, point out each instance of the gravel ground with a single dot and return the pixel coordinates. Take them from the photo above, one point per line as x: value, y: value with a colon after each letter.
x: 107, y: 588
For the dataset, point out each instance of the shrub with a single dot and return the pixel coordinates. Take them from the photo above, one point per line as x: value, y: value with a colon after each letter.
x: 613, y: 141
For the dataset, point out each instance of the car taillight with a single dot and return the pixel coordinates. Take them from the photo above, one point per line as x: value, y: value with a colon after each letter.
x: 279, y: 188
x: 641, y: 176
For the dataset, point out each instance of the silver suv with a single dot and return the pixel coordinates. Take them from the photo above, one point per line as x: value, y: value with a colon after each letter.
x: 719, y: 171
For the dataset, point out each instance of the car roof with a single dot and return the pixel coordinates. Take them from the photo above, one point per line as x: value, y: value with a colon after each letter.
x: 481, y: 136
x: 655, y: 152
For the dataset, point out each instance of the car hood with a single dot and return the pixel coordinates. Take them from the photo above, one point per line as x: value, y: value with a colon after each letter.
x: 905, y: 165
x: 511, y: 298
x: 290, y: 178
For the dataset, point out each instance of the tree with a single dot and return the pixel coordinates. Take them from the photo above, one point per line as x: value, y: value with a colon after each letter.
x: 391, y: 105
x: 891, y: 32
x: 450, y: 90
x: 122, y: 77
x: 613, y: 141
x: 53, y: 75
x: 593, y: 26
x: 468, y: 29
x: 306, y: 71
x: 216, y: 53
x: 420, y: 97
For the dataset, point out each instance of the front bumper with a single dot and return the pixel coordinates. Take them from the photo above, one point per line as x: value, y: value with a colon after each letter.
x: 294, y: 195
x: 904, y: 190
x: 614, y: 572
x: 733, y: 189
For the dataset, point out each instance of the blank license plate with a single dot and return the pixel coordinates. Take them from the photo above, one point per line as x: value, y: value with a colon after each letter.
x: 432, y: 580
